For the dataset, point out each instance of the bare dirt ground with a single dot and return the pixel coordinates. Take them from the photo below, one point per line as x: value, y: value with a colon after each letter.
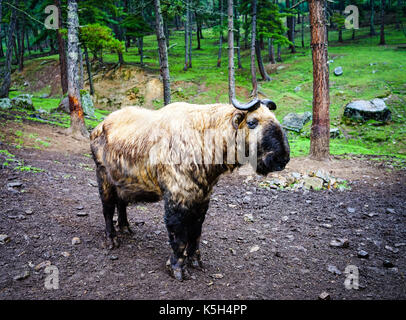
x: 284, y: 253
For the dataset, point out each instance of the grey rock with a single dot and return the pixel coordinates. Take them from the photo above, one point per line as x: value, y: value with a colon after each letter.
x: 313, y: 183
x: 5, y: 104
x: 22, y: 276
x: 4, y: 238
x: 82, y: 214
x: 333, y: 269
x: 363, y: 254
x: 64, y: 105
x: 338, y: 71
x: 390, y: 211
x: 23, y: 101
x: 368, y: 110
x: 339, y: 243
x: 351, y: 210
x: 87, y: 104
x: 75, y: 240
x: 295, y: 122
x: 394, y: 250
x: 113, y: 257
x: 334, y: 133
x: 388, y: 264
x: 322, y: 175
x: 326, y: 225
x: 324, y: 296
x: 15, y: 184
x: 298, y: 88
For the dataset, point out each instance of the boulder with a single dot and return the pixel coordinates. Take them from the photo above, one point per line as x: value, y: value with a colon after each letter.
x: 295, y: 122
x: 64, y: 105
x: 86, y: 100
x: 334, y: 133
x: 23, y: 101
x: 313, y: 183
x: 5, y: 104
x: 338, y: 71
x: 363, y: 110
x: 87, y: 103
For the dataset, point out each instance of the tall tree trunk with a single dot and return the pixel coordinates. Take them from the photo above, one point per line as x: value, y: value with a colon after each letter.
x: 254, y: 81
x: 186, y: 37
x: 62, y: 51
x: 1, y: 47
x: 245, y: 34
x: 197, y: 30
x: 231, y: 76
x: 190, y: 37
x: 279, y: 53
x: 163, y: 53
x: 320, y: 131
x: 371, y: 25
x: 141, y: 49
x: 382, y: 40
x: 340, y: 35
x: 271, y: 52
x: 77, y: 122
x: 302, y: 31
x: 27, y: 40
x: 21, y: 47
x: 291, y: 29
x: 221, y: 34
x: 1, y: 18
x: 177, y: 22
x: 81, y: 79
x: 5, y: 86
x: 89, y: 71
x: 261, y: 67
x: 238, y: 38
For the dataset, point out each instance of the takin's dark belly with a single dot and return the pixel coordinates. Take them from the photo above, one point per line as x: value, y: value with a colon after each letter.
x: 138, y: 195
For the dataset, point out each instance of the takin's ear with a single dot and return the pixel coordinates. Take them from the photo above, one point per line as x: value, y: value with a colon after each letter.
x: 237, y: 118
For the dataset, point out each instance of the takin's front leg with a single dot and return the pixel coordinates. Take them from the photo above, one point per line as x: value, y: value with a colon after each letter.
x: 176, y: 224
x: 184, y: 227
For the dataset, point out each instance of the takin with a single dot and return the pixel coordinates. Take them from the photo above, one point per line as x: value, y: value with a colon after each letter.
x: 148, y: 155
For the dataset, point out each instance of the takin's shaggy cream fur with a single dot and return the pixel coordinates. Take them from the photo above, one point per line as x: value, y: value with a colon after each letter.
x: 137, y: 150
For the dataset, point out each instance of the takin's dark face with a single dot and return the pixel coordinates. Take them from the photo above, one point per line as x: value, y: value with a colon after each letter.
x: 273, y: 152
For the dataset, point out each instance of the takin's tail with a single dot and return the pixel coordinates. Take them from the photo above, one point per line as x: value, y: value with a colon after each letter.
x: 96, y: 131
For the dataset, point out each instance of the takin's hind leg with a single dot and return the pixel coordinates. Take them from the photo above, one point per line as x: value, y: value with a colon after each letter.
x: 108, y: 198
x: 122, y: 221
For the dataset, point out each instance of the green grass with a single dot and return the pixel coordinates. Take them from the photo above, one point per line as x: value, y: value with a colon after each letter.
x: 205, y: 83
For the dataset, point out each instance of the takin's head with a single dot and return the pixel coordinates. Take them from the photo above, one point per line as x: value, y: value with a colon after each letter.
x: 273, y: 152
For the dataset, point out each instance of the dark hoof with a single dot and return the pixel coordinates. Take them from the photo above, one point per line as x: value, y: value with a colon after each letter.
x: 195, y: 262
x: 111, y: 243
x: 180, y: 273
x: 125, y: 230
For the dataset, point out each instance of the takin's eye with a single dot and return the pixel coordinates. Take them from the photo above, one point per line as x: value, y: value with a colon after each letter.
x: 252, y: 123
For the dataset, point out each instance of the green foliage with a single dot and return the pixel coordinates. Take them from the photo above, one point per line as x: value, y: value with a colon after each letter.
x: 136, y: 26
x: 339, y: 20
x: 270, y: 20
x: 97, y: 37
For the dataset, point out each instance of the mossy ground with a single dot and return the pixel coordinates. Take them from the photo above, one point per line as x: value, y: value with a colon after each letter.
x: 370, y: 71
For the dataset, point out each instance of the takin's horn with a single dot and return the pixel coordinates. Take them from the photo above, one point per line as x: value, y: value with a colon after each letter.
x: 250, y: 106
x: 269, y: 104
